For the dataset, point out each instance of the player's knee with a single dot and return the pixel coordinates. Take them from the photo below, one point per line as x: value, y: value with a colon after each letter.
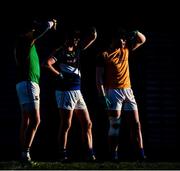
x: 34, y: 123
x: 38, y: 121
x: 114, y: 127
x: 66, y: 126
x: 88, y: 126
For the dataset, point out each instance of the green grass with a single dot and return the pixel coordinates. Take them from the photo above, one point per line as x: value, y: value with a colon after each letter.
x: 15, y: 165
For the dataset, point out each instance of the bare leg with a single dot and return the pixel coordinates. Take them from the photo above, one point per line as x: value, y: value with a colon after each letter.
x: 86, y: 124
x: 34, y: 121
x: 65, y: 125
x: 138, y: 134
x: 23, y: 128
x: 138, y: 129
x: 29, y: 125
x: 113, y: 134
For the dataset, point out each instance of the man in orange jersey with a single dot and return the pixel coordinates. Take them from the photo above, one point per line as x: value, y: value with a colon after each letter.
x: 114, y: 86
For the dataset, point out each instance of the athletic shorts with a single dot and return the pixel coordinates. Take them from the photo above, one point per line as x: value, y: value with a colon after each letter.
x: 28, y: 93
x: 121, y: 98
x: 70, y: 100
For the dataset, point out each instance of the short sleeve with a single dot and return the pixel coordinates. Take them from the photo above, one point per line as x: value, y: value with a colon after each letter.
x: 57, y: 54
x: 100, y: 59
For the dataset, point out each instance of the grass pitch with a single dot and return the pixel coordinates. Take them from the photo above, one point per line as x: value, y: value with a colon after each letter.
x: 15, y: 165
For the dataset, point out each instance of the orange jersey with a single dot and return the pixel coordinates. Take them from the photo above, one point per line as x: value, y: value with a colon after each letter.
x: 117, y: 69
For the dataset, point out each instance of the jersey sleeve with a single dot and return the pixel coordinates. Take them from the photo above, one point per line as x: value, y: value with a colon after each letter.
x: 57, y: 54
x: 100, y: 59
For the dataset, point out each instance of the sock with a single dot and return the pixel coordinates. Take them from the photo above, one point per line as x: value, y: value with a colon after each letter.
x: 26, y: 154
x: 64, y: 153
x: 114, y: 155
x: 27, y: 150
x: 141, y: 152
x: 91, y: 155
x: 90, y: 152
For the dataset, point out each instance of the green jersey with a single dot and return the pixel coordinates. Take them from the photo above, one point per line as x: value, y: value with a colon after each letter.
x: 28, y: 67
x: 34, y: 66
x: 26, y: 56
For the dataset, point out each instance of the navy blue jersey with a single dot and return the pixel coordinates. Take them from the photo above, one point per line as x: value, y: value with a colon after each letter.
x: 68, y: 65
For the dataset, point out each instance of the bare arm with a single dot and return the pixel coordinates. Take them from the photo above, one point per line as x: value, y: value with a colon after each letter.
x: 90, y: 39
x: 140, y: 39
x: 49, y: 65
x: 99, y: 81
x: 50, y: 25
x: 100, y: 87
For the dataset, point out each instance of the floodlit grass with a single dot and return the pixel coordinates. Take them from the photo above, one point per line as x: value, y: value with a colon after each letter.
x: 15, y: 165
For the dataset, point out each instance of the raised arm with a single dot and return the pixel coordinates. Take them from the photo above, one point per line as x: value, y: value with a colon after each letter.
x: 139, y: 39
x: 50, y: 25
x: 89, y: 39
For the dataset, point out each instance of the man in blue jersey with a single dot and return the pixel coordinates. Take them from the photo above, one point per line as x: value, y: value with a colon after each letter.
x: 27, y: 86
x: 68, y: 94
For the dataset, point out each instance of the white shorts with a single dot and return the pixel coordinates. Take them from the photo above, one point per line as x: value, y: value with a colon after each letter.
x: 70, y: 100
x: 121, y: 98
x: 28, y: 92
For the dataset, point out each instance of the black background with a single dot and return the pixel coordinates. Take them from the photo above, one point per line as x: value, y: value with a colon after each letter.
x: 154, y: 72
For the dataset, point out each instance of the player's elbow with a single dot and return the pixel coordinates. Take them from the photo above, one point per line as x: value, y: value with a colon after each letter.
x: 143, y: 39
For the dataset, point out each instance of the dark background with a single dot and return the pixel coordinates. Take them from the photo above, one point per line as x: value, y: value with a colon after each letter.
x: 154, y: 73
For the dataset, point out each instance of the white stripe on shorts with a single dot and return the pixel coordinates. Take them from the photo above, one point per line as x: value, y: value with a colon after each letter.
x: 70, y: 100
x: 121, y: 98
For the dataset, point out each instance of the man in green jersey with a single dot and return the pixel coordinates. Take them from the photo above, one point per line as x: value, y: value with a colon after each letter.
x: 27, y: 86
